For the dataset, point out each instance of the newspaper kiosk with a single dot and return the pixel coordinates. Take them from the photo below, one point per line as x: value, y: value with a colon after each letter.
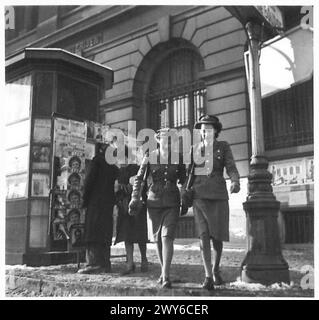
x: 41, y: 83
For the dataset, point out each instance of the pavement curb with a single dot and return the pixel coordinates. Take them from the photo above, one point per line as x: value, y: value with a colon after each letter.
x: 186, y: 274
x: 48, y: 288
x: 53, y: 288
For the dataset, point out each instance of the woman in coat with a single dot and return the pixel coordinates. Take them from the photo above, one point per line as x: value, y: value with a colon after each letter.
x: 210, y: 204
x: 130, y: 229
x: 163, y: 200
x: 99, y: 200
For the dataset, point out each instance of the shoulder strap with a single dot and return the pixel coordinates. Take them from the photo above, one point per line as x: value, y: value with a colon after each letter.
x: 190, y: 178
x: 146, y: 172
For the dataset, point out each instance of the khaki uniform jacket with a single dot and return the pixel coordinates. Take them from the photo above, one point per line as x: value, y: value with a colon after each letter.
x: 211, y: 183
x: 163, y: 191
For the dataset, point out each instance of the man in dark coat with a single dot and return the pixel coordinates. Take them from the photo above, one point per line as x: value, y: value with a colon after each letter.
x: 99, y: 199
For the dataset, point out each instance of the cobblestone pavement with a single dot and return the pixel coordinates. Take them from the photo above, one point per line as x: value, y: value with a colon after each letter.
x: 186, y: 273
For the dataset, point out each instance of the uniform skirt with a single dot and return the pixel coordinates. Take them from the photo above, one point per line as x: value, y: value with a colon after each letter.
x: 212, y: 217
x: 164, y: 221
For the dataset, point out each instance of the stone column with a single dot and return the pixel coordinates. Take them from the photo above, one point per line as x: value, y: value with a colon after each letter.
x: 264, y: 262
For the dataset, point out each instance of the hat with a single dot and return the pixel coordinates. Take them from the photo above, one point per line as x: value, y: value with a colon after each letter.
x: 161, y: 133
x: 100, y: 146
x: 207, y: 119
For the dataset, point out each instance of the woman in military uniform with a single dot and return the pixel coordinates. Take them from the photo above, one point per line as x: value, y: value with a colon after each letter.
x: 163, y: 200
x: 210, y: 204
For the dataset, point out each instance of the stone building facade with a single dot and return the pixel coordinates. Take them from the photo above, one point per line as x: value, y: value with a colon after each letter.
x: 170, y: 63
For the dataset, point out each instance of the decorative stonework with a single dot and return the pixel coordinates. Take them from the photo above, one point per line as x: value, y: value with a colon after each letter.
x: 164, y: 28
x: 87, y: 43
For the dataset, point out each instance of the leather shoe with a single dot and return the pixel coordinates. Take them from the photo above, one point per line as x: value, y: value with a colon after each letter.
x: 218, y: 280
x: 166, y: 283
x: 129, y: 270
x: 144, y: 266
x: 91, y: 270
x: 208, y: 284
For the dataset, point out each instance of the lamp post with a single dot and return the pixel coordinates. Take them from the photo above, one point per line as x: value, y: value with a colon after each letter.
x: 264, y: 262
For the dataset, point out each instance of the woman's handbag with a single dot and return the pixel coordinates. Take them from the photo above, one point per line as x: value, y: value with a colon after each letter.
x: 136, y: 206
x: 188, y: 193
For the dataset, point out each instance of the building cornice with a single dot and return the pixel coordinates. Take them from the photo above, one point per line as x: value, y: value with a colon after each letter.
x: 70, y: 30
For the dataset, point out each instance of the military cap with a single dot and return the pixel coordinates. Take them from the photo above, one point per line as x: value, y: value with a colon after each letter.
x: 161, y: 133
x: 208, y: 119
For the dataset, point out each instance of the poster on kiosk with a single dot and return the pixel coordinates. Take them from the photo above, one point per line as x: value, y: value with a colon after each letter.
x: 73, y: 149
x: 69, y: 165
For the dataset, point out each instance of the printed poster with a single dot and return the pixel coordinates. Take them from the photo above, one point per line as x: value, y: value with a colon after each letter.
x: 40, y: 157
x: 40, y: 185
x: 292, y: 172
x: 42, y: 131
x: 70, y: 150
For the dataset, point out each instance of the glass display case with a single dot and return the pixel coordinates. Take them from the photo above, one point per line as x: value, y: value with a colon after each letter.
x: 39, y: 83
x: 17, y: 128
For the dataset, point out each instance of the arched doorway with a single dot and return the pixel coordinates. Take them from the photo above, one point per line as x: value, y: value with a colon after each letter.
x: 176, y: 97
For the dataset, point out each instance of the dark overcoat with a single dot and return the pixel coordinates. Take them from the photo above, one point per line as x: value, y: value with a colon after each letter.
x: 129, y: 228
x: 99, y: 199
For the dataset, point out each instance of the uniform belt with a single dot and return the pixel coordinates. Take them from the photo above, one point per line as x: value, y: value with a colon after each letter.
x: 162, y: 181
x: 215, y: 173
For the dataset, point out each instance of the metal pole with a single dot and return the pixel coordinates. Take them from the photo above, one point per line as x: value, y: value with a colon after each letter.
x: 257, y: 133
x: 264, y: 262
